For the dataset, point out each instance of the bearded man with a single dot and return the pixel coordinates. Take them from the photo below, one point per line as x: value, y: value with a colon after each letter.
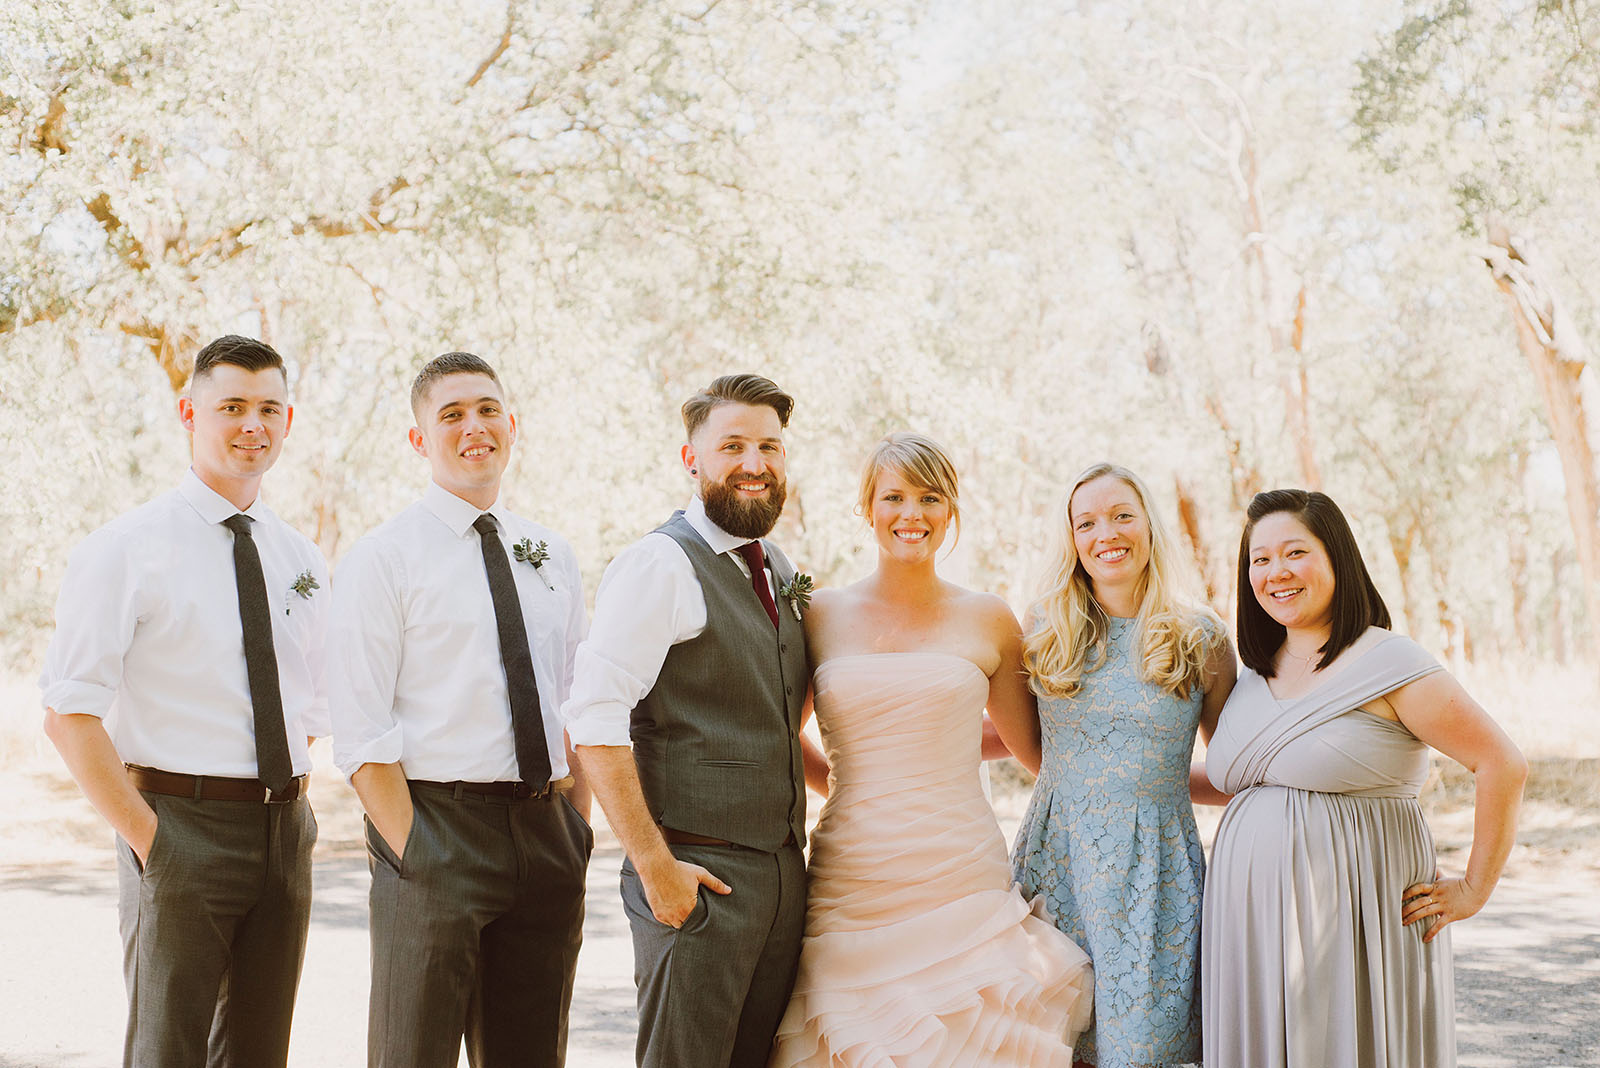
x: 696, y: 658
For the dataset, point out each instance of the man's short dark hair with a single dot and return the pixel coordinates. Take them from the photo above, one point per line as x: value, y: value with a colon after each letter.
x: 245, y: 352
x: 1357, y: 604
x: 736, y: 389
x: 451, y: 363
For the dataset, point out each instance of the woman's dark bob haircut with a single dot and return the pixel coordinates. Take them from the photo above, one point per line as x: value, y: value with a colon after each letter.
x: 1356, y: 603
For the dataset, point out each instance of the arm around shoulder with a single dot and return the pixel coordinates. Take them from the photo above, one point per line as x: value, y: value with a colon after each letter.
x: 1218, y: 676
x: 1012, y: 706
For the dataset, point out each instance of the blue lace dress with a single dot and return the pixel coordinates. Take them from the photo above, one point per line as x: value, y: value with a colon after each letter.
x: 1109, y: 841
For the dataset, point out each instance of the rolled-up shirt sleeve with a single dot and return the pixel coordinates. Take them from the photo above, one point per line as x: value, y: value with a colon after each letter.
x: 649, y: 600
x: 97, y: 612
x: 365, y: 635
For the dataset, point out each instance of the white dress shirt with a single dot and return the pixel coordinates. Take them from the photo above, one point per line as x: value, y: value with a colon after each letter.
x: 415, y: 674
x: 649, y: 600
x: 148, y: 636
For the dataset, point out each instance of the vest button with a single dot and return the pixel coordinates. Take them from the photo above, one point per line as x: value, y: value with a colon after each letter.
x: 789, y: 690
x: 782, y: 648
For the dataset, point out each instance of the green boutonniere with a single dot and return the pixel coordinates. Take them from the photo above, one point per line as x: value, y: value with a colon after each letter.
x: 526, y: 552
x: 797, y: 591
x: 304, y: 583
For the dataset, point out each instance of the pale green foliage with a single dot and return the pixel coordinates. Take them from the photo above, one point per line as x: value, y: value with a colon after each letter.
x: 1021, y: 229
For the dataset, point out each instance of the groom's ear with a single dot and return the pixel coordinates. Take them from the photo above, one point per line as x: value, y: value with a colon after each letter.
x: 418, y: 442
x: 687, y: 453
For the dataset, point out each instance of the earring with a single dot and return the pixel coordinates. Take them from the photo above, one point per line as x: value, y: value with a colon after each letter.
x: 694, y: 471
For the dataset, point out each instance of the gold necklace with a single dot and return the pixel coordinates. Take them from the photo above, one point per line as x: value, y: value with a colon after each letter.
x: 1305, y: 662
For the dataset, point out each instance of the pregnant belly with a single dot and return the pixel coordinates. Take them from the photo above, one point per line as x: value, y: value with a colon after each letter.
x: 1274, y: 833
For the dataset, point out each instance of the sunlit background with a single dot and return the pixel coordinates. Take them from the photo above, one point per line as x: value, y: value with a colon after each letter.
x: 1233, y: 245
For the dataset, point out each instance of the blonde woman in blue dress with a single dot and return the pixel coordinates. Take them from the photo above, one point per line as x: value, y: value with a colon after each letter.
x: 918, y: 951
x: 1127, y: 663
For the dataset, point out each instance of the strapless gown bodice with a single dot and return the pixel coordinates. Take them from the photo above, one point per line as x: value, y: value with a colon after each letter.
x: 918, y: 949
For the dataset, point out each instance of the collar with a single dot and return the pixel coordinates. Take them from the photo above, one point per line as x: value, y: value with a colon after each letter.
x: 459, y: 515
x: 719, y: 540
x: 212, y: 506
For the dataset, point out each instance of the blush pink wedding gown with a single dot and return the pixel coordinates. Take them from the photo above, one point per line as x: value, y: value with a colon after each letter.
x: 918, y: 950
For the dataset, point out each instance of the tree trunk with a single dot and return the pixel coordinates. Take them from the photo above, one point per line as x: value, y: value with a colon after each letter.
x: 1189, y: 523
x: 1517, y: 566
x: 1560, y: 648
x: 1401, y: 544
x: 1554, y: 350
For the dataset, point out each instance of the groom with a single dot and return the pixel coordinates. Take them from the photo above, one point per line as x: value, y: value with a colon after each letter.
x: 697, y: 658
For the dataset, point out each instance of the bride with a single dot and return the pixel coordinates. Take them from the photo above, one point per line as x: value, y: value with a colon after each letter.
x: 918, y: 951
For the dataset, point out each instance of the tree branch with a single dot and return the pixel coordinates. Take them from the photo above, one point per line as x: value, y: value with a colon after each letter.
x: 499, y: 49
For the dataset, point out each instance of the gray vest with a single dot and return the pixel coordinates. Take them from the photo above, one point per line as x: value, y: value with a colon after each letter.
x: 717, y: 738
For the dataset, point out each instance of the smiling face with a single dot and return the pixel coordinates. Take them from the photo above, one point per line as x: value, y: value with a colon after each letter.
x: 466, y: 434
x: 737, y: 457
x: 909, y: 521
x: 1110, y: 532
x: 1291, y: 573
x: 238, y: 419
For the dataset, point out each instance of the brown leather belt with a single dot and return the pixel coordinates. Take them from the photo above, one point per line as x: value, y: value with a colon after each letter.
x: 214, y: 787
x: 516, y: 791
x: 676, y: 837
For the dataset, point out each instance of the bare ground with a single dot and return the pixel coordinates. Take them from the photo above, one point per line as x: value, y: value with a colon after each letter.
x: 1528, y: 967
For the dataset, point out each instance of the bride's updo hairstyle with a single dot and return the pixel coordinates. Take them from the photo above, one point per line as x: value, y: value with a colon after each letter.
x: 922, y: 461
x: 1067, y: 629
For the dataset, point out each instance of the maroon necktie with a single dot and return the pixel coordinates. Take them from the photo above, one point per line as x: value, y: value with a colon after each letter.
x: 751, y: 551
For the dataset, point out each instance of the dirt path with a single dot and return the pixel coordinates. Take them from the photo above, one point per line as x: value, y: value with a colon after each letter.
x: 1528, y: 968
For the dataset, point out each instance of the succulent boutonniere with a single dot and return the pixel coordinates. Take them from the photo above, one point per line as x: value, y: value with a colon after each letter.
x: 304, y: 583
x: 797, y: 591
x: 526, y: 552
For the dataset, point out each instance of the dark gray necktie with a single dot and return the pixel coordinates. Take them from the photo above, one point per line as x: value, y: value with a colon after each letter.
x: 527, y: 725
x: 260, y: 662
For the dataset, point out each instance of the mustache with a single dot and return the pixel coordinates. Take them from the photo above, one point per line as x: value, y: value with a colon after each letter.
x: 765, y: 478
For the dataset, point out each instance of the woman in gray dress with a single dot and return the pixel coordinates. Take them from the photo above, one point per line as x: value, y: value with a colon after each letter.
x: 1325, y: 938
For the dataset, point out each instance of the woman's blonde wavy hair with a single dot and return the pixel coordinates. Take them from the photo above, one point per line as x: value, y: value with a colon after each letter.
x: 1068, y: 632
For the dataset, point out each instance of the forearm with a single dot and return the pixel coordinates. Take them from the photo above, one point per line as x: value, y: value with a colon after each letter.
x: 1498, y: 798
x: 1024, y: 746
x: 386, y: 796
x: 581, y: 796
x: 1201, y: 792
x: 86, y: 749
x: 816, y: 766
x: 613, y: 779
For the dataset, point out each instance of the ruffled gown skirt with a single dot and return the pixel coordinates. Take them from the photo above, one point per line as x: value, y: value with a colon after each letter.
x: 918, y: 950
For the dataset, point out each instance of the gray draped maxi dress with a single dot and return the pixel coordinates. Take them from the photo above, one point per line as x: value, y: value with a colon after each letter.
x: 1304, y: 961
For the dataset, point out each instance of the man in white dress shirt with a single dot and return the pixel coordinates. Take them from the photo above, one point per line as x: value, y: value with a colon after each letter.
x: 454, y: 630
x: 697, y: 663
x: 182, y: 687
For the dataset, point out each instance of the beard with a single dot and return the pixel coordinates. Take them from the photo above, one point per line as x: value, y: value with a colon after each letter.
x: 739, y: 516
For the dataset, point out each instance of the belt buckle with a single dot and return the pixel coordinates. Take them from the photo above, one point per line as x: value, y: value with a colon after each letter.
x: 266, y: 798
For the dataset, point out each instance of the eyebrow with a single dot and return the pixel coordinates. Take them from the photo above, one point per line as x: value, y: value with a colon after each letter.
x: 1118, y: 504
x: 1286, y: 541
x: 247, y: 400
x: 447, y: 405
